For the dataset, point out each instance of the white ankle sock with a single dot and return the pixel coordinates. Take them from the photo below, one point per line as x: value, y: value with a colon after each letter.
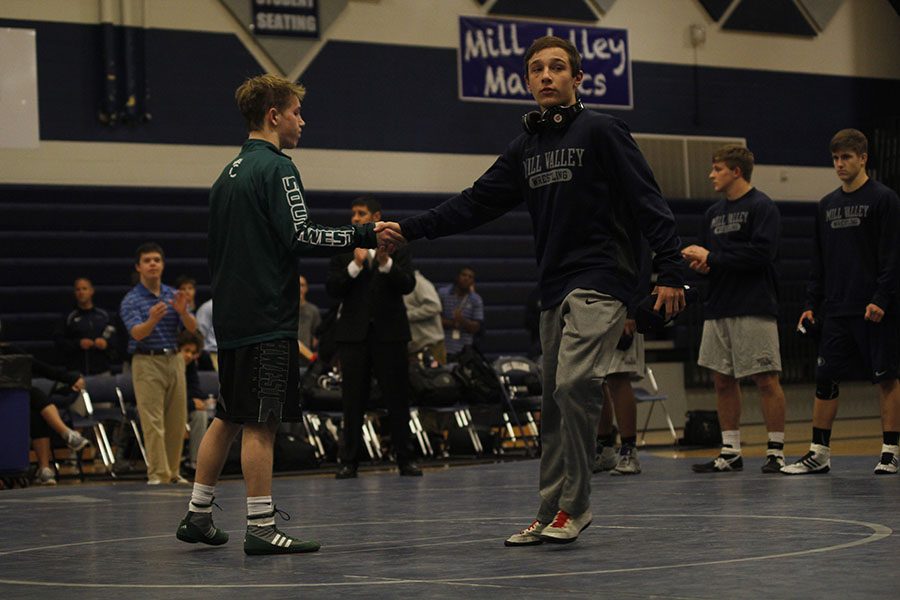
x: 201, y: 498
x: 257, y: 506
x: 731, y: 438
x: 776, y: 439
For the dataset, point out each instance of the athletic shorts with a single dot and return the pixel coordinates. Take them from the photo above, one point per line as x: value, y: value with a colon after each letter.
x: 259, y: 381
x: 630, y: 361
x: 740, y: 346
x: 853, y: 346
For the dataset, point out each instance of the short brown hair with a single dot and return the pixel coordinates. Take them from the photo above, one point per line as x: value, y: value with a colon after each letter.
x: 551, y: 41
x: 258, y: 94
x: 850, y: 139
x: 190, y: 337
x: 735, y: 157
x: 148, y: 248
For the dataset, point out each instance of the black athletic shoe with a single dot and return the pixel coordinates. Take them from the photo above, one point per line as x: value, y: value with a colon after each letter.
x: 723, y: 463
x: 773, y: 464
x: 347, y: 471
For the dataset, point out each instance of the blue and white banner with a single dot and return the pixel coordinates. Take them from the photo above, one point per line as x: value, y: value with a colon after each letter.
x: 492, y: 52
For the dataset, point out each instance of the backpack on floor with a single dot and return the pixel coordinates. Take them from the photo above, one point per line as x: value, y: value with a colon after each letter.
x: 702, y: 429
x: 480, y: 381
x: 437, y: 386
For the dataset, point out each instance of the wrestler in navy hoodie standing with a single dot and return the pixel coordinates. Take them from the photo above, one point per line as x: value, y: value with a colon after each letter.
x: 854, y: 296
x: 591, y: 196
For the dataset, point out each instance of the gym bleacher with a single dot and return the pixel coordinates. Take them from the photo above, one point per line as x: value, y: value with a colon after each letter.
x: 54, y: 234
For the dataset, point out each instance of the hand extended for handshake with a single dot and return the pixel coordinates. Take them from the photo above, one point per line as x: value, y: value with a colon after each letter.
x: 697, y: 257
x: 390, y: 237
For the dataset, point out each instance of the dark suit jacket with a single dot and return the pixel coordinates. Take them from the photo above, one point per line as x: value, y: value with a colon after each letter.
x: 372, y: 297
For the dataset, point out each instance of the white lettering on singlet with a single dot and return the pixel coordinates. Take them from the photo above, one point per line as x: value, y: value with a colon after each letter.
x: 295, y: 201
x: 310, y: 235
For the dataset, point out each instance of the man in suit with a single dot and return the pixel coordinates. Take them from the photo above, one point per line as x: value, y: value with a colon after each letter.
x: 372, y: 334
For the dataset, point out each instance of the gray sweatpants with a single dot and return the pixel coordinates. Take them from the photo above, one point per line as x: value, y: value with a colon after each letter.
x: 578, y: 338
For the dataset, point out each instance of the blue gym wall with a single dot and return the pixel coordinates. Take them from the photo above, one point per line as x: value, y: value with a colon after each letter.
x: 368, y: 96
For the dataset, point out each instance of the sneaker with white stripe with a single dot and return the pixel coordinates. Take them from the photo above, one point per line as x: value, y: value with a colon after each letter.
x: 890, y: 460
x: 267, y: 539
x: 817, y: 460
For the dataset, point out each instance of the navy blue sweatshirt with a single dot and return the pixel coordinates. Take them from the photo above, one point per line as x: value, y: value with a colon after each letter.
x: 742, y: 238
x: 591, y: 196
x: 856, y: 252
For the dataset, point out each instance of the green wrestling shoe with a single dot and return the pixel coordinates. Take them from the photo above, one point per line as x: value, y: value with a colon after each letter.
x: 263, y: 537
x: 199, y: 528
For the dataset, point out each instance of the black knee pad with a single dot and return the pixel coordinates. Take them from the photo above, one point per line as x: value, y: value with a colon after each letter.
x: 827, y: 389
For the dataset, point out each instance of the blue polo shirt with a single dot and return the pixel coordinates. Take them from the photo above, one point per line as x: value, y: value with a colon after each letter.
x: 472, y: 309
x: 135, y: 309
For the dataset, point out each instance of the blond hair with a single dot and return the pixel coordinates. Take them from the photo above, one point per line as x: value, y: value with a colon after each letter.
x: 258, y: 94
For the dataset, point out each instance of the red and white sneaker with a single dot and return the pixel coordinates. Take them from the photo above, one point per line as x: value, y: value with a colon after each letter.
x: 565, y: 528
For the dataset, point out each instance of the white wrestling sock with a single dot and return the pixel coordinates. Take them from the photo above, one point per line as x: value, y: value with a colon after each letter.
x: 260, y: 506
x: 731, y: 441
x: 201, y: 498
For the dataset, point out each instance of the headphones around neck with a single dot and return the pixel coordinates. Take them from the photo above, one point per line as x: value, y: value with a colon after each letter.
x: 555, y: 117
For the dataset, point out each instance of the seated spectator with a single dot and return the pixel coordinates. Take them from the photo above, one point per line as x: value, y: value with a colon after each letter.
x: 86, y: 338
x: 205, y: 328
x: 188, y: 286
x: 191, y: 346
x: 423, y: 309
x: 463, y: 312
x: 310, y: 319
x: 45, y: 417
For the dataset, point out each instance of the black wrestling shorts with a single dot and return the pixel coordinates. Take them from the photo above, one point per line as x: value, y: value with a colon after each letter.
x: 259, y: 381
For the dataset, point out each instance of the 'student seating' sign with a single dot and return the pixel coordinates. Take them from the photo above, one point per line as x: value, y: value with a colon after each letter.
x: 294, y: 18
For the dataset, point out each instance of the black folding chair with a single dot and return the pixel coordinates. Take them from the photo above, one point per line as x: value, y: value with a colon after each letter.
x: 101, y: 405
x: 518, y: 376
x: 128, y: 407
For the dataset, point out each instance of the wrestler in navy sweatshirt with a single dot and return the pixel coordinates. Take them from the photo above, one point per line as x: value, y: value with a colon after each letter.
x: 591, y: 196
x: 856, y: 252
x: 742, y: 238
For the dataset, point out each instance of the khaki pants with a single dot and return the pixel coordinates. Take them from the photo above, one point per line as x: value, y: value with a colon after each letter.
x: 161, y: 393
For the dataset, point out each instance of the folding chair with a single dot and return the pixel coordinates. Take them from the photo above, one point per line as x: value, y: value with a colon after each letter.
x: 101, y: 404
x: 209, y: 383
x: 128, y: 407
x: 642, y: 395
x: 440, y: 392
x: 323, y: 413
x: 514, y: 371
